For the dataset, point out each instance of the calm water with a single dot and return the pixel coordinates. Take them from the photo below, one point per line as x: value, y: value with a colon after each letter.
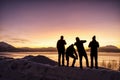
x: 108, y: 60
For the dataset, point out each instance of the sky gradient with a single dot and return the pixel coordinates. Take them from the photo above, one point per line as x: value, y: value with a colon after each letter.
x: 36, y: 23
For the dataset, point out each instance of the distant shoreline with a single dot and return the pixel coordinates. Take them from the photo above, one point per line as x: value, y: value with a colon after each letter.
x: 56, y: 51
x: 5, y: 47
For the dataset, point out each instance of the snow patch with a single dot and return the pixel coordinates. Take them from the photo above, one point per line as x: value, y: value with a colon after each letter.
x: 25, y: 69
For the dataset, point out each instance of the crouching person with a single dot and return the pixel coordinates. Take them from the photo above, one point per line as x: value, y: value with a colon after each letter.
x: 70, y: 52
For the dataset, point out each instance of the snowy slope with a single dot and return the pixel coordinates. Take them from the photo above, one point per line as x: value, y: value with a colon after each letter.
x: 22, y: 69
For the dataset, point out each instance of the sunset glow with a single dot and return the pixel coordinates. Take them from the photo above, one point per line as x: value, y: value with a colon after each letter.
x: 37, y: 23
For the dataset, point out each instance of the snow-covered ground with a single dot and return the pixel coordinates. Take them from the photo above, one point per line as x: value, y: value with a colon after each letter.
x: 43, y: 68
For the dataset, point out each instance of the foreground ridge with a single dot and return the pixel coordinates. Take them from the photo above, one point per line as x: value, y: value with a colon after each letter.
x: 24, y: 69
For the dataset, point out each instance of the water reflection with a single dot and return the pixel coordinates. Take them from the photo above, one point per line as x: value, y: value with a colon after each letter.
x: 108, y: 60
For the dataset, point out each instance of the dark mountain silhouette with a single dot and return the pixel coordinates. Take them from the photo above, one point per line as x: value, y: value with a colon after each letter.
x: 109, y: 48
x: 6, y: 47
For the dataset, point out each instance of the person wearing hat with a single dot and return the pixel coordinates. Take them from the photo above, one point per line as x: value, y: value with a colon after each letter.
x: 94, y: 51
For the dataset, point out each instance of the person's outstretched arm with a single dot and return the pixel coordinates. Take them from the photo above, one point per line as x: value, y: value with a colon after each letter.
x: 83, y: 41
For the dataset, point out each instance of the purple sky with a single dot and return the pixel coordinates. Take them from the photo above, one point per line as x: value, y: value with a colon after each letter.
x: 37, y: 23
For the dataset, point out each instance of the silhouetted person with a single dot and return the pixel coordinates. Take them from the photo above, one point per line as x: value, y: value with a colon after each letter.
x: 70, y: 52
x: 94, y: 52
x: 81, y: 51
x: 61, y: 50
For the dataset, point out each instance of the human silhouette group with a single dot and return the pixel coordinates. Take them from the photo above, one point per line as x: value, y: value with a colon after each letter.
x: 71, y: 52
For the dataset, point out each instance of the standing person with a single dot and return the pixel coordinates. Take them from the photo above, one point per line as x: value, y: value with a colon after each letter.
x: 61, y: 50
x: 70, y: 52
x: 94, y: 52
x: 81, y: 51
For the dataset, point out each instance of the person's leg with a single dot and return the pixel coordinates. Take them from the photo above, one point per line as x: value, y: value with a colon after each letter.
x: 86, y: 58
x: 81, y: 61
x: 67, y: 63
x: 67, y: 58
x: 91, y: 56
x: 59, y: 57
x: 74, y: 60
x: 96, y: 61
x: 62, y: 59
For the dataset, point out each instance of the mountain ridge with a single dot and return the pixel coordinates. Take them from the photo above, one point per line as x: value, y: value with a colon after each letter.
x: 107, y: 48
x: 6, y: 47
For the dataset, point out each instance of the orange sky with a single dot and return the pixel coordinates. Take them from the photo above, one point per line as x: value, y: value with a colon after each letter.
x: 40, y: 24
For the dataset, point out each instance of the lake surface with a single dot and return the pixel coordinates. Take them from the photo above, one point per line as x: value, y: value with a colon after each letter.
x: 108, y: 60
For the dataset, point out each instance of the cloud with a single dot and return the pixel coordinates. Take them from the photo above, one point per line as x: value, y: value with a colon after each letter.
x: 10, y: 38
x: 19, y: 40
